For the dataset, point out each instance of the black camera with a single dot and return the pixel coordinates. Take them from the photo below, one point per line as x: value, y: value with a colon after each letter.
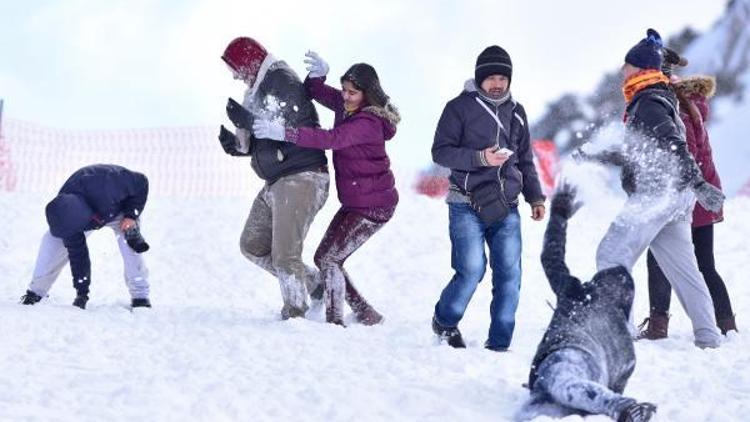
x: 135, y: 240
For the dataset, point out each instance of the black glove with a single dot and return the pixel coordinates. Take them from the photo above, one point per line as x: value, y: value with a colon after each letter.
x: 135, y: 240
x: 709, y: 196
x: 564, y: 201
x: 228, y: 141
x: 239, y: 115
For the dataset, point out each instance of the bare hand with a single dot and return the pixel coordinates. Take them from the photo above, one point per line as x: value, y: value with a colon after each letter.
x: 127, y: 223
x: 493, y: 158
x: 537, y: 212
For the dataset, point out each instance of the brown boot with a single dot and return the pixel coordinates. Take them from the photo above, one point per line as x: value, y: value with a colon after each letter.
x: 726, y: 324
x: 363, y: 311
x: 654, y: 327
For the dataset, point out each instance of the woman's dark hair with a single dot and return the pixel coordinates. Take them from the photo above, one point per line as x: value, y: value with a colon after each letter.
x: 365, y: 79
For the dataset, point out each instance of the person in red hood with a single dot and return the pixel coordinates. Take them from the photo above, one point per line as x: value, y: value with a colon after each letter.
x: 364, y: 120
x: 693, y: 94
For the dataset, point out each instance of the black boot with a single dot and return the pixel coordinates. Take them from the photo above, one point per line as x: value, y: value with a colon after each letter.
x: 30, y: 298
x: 726, y: 325
x: 450, y: 334
x: 81, y: 300
x: 140, y: 303
x: 637, y: 412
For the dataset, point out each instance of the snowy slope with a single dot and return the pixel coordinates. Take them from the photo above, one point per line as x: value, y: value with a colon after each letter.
x: 213, y: 349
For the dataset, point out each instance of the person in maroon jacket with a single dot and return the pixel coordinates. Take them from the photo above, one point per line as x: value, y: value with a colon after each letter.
x: 693, y: 93
x: 364, y: 120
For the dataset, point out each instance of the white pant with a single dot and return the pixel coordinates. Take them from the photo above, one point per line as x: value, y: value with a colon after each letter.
x: 53, y: 256
x: 663, y: 223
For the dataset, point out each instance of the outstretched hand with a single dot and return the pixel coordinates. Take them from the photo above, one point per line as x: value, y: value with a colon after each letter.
x: 315, y: 65
x: 564, y: 201
x: 269, y: 129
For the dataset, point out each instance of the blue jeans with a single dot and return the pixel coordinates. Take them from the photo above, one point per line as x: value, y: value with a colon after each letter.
x: 468, y: 236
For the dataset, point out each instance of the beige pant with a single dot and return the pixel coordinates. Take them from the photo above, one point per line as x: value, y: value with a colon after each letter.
x: 276, y: 228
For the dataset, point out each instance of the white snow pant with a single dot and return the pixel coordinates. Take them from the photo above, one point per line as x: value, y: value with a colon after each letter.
x: 663, y: 224
x: 53, y: 256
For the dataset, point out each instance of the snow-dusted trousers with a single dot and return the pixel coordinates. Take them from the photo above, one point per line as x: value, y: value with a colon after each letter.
x: 53, y: 257
x: 569, y: 377
x: 275, y: 231
x: 663, y: 224
x: 347, y: 232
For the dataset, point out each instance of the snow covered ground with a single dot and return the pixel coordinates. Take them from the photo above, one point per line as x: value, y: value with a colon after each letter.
x: 213, y: 348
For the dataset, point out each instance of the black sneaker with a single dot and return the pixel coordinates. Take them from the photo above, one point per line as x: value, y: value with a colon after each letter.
x: 80, y: 301
x: 140, y: 303
x: 450, y: 334
x: 30, y: 298
x: 637, y: 412
x: 498, y: 349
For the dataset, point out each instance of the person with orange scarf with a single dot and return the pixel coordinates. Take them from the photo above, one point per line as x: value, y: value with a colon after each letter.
x: 663, y: 182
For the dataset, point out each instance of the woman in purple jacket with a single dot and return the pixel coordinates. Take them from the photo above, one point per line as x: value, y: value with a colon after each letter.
x: 364, y: 121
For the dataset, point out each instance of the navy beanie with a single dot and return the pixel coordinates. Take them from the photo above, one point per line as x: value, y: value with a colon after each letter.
x: 492, y: 61
x: 647, y: 53
x: 67, y: 215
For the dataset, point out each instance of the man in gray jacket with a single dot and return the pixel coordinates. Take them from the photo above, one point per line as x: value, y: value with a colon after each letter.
x: 296, y: 178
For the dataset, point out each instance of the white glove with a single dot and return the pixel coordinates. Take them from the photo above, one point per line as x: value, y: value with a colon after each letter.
x: 315, y: 65
x: 267, y: 129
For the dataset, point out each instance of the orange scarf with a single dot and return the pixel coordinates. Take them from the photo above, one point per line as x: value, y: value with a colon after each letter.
x: 640, y: 80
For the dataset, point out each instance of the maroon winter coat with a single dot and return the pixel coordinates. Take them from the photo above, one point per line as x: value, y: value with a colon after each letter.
x: 362, y: 167
x: 693, y: 93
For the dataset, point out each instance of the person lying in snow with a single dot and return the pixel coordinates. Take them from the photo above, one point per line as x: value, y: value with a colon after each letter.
x: 93, y: 197
x: 586, y: 355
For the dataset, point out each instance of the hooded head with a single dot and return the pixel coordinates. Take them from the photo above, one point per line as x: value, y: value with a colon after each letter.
x: 67, y: 215
x: 647, y: 54
x: 365, y: 79
x: 493, y: 60
x: 245, y: 56
x: 614, y: 288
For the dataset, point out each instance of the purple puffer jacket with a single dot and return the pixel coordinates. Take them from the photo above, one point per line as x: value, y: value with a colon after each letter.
x: 694, y: 93
x: 363, y: 175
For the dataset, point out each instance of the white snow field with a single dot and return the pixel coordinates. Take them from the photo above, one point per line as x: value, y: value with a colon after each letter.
x: 214, y: 349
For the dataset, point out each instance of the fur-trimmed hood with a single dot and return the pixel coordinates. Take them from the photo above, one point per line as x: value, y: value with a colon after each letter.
x: 389, y: 113
x: 705, y: 86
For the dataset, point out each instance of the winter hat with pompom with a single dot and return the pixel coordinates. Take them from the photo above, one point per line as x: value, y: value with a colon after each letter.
x: 647, y: 53
x: 245, y: 56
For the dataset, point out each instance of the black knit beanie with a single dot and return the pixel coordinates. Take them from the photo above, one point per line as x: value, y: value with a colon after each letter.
x: 492, y: 61
x: 365, y: 79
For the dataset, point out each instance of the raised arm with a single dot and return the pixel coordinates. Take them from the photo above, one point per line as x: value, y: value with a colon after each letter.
x: 563, y: 207
x: 326, y: 95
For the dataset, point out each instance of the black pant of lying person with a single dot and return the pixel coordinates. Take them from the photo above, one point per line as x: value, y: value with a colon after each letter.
x: 586, y: 355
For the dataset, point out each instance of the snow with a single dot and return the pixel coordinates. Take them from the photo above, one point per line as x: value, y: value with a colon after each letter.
x: 213, y: 347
